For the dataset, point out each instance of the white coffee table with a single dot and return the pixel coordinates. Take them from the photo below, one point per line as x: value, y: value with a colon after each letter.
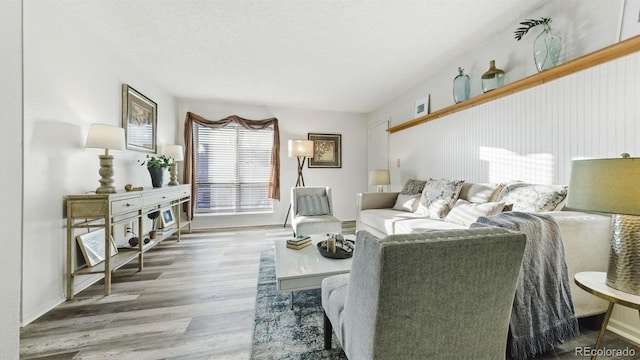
x: 304, y: 269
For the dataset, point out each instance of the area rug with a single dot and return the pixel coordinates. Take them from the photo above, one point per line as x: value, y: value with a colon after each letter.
x: 282, y: 333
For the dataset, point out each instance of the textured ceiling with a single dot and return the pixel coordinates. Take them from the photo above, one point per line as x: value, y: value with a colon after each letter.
x: 318, y: 54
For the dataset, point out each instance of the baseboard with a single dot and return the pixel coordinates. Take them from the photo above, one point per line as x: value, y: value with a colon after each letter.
x: 628, y: 332
x: 48, y: 306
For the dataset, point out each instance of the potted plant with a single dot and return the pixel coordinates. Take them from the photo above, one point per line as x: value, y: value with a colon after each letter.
x: 153, y: 216
x: 156, y: 166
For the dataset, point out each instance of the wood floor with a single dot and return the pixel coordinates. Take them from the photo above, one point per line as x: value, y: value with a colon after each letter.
x: 193, y: 300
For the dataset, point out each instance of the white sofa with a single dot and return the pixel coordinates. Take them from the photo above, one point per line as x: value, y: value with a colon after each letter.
x: 585, y: 237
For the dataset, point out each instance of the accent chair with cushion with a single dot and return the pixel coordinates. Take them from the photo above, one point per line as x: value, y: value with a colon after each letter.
x: 437, y: 295
x: 312, y: 211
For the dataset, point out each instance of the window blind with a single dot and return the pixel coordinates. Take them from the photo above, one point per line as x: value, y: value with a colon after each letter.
x: 232, y: 169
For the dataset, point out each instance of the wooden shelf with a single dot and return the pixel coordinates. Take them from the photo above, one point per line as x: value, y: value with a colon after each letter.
x: 598, y: 57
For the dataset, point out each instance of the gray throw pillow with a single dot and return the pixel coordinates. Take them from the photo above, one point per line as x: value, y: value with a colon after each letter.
x: 309, y: 205
x: 413, y: 187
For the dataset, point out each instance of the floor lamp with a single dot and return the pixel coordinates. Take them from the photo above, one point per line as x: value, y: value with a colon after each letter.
x: 300, y: 149
x: 611, y: 186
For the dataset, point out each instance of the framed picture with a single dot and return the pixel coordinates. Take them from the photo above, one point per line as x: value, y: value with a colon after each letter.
x: 92, y: 247
x: 139, y: 120
x: 630, y: 19
x: 327, y: 151
x: 166, y: 217
x: 420, y: 108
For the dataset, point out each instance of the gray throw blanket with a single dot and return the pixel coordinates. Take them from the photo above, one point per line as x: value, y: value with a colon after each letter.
x: 542, y: 314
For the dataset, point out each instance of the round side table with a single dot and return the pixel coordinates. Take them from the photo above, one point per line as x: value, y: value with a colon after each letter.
x: 594, y: 282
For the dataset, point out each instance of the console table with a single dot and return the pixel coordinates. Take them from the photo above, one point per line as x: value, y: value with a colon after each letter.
x: 103, y: 211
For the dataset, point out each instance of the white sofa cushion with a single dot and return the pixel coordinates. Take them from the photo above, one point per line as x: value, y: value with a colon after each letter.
x: 480, y: 192
x: 466, y: 213
x: 386, y: 218
x: 438, y: 197
x: 418, y: 225
x: 407, y: 202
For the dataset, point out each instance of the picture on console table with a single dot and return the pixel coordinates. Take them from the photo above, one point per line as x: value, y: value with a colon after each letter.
x: 327, y: 151
x: 139, y: 120
x: 92, y: 247
x: 166, y: 217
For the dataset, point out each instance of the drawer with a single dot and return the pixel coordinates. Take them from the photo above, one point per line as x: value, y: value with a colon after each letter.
x: 120, y: 206
x: 88, y: 208
x: 160, y: 198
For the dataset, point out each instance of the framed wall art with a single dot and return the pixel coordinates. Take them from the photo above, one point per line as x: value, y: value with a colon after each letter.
x: 327, y: 151
x: 139, y: 120
x: 166, y: 217
x: 629, y: 19
x: 92, y: 247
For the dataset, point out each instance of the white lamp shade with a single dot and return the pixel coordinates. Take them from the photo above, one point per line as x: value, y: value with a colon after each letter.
x: 379, y: 177
x: 300, y: 148
x: 174, y: 151
x: 605, y: 185
x: 103, y: 136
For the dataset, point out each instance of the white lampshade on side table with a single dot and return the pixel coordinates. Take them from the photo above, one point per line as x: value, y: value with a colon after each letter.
x: 379, y: 178
x: 175, y: 152
x: 613, y: 186
x: 106, y: 137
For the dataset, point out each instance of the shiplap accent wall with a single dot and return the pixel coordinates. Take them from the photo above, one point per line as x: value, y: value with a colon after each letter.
x: 532, y: 135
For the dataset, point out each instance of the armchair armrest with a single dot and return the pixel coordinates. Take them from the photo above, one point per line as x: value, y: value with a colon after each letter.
x: 376, y: 200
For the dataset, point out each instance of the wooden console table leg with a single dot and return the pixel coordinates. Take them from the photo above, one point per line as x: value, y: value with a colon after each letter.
x: 603, y: 330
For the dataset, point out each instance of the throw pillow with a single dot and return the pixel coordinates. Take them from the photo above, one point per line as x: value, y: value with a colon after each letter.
x: 309, y: 205
x: 532, y: 197
x: 466, y: 213
x: 480, y: 192
x: 407, y: 202
x: 434, y: 190
x: 413, y: 187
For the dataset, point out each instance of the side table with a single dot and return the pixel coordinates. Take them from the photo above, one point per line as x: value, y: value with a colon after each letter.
x: 594, y: 282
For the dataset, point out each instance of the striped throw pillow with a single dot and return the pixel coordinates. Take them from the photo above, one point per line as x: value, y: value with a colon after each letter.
x: 309, y: 205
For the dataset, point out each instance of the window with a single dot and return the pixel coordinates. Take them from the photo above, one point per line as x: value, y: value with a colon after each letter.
x: 232, y: 166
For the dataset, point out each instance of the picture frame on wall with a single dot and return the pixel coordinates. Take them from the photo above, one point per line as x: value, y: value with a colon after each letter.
x: 327, y: 150
x: 92, y: 247
x: 629, y: 19
x: 139, y: 120
x: 421, y: 107
x: 166, y: 218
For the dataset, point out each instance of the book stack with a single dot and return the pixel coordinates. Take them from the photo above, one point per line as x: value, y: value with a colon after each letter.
x: 299, y: 242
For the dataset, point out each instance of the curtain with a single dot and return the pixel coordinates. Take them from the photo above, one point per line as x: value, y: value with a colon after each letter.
x: 189, y: 168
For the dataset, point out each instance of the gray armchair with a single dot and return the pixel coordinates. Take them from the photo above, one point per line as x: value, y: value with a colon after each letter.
x: 437, y: 295
x: 312, y: 211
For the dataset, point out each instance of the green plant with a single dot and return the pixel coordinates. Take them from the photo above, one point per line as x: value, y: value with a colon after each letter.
x: 528, y: 25
x: 161, y: 161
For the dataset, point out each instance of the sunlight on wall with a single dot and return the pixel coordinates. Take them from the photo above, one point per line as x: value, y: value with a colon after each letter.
x: 505, y: 165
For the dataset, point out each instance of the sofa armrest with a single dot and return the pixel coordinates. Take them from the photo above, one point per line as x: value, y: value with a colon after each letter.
x: 377, y: 200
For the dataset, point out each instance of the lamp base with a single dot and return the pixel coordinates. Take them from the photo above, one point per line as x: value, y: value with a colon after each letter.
x: 624, y: 258
x: 106, y: 173
x: 173, y: 171
x: 380, y: 188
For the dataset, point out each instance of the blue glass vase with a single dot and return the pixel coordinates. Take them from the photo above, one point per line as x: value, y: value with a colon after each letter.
x: 461, y: 86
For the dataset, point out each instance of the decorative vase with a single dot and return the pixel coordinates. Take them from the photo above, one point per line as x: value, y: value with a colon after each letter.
x: 157, y: 175
x: 461, y: 86
x: 546, y: 49
x: 492, y: 78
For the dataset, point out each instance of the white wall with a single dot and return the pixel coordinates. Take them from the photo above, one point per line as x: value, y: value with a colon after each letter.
x: 532, y: 135
x: 10, y: 175
x: 295, y: 124
x: 71, y: 79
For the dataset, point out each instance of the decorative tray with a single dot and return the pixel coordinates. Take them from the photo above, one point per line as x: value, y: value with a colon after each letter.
x: 343, y: 251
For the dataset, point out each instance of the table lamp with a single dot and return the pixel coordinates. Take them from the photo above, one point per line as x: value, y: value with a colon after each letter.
x: 613, y: 186
x: 105, y: 137
x: 175, y: 152
x: 379, y: 178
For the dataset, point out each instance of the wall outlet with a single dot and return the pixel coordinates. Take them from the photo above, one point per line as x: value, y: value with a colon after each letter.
x: 127, y: 229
